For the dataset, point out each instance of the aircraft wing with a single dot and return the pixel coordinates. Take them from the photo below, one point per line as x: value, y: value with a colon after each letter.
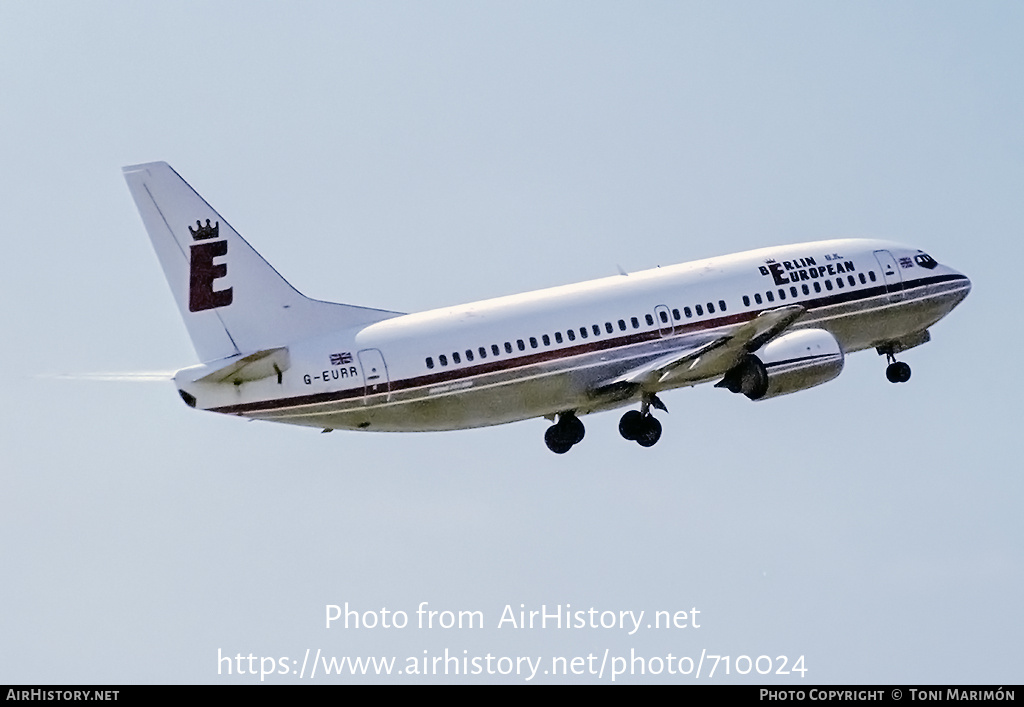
x: 700, y: 359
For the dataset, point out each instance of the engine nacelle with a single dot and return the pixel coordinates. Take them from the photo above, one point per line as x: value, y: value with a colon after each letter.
x: 795, y: 361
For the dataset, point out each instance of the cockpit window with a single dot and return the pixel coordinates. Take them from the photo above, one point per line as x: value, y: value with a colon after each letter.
x: 925, y: 260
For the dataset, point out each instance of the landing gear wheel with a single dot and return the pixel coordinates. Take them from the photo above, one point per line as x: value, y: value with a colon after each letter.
x: 651, y: 432
x: 568, y: 431
x: 644, y: 429
x: 555, y: 441
x: 631, y: 425
x: 897, y: 372
x: 573, y: 428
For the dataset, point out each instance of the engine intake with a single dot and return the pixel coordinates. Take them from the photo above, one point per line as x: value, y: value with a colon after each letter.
x: 795, y: 361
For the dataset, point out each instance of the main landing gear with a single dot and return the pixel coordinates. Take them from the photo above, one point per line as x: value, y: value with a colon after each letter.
x: 638, y: 426
x: 643, y: 429
x: 562, y: 435
x: 641, y: 426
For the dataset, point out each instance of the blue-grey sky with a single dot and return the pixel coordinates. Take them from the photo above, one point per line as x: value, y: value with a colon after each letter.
x: 409, y: 155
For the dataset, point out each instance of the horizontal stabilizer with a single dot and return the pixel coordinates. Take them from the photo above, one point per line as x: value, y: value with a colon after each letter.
x: 242, y: 369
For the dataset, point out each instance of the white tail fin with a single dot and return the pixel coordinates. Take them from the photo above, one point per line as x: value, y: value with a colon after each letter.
x: 232, y: 300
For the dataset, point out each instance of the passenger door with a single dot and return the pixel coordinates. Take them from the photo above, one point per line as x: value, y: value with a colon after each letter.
x: 375, y: 374
x: 890, y: 274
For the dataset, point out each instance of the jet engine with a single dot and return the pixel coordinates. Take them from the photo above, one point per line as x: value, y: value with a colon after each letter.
x: 795, y: 361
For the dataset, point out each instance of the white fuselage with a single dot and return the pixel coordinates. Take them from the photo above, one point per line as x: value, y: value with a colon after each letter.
x: 551, y: 351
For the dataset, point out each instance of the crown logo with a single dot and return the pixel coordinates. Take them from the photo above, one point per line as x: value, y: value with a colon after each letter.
x: 770, y: 261
x: 202, y: 233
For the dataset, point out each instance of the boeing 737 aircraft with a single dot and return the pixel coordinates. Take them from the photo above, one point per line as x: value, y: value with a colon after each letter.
x: 762, y: 323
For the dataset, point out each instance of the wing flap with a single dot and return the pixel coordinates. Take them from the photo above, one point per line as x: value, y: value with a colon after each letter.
x: 653, y: 372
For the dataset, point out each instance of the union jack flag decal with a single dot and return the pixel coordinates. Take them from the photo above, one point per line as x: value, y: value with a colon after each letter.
x: 338, y: 359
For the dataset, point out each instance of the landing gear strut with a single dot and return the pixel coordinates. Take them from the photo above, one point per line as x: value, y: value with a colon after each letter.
x: 641, y: 426
x: 562, y: 435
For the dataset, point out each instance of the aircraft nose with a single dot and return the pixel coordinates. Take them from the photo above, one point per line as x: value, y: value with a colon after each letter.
x: 963, y: 284
x: 964, y: 280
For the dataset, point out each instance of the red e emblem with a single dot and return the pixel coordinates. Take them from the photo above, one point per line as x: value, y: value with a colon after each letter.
x: 203, y: 271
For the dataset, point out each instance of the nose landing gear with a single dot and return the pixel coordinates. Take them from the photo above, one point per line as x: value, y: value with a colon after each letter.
x: 896, y: 371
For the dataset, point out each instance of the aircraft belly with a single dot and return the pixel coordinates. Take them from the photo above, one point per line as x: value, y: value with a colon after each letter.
x: 482, y: 401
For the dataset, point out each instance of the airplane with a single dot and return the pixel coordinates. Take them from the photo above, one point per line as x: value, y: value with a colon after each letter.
x: 762, y: 323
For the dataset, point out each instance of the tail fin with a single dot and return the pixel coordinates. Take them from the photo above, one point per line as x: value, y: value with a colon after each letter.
x: 232, y: 300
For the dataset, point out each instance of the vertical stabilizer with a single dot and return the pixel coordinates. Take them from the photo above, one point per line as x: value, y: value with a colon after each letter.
x: 233, y: 302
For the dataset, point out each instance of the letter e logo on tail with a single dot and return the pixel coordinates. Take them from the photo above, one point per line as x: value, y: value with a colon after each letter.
x: 203, y: 271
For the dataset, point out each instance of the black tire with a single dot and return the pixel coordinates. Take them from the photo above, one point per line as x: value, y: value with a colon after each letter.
x: 572, y: 428
x: 630, y: 425
x: 556, y: 441
x: 897, y: 372
x: 651, y: 432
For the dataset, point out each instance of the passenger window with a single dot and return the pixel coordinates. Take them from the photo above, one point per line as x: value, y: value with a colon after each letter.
x: 782, y: 294
x: 583, y: 332
x: 828, y: 285
x: 483, y: 352
x: 635, y: 322
x: 508, y: 347
x: 851, y: 280
x: 839, y: 283
x: 863, y: 280
x: 558, y: 337
x: 675, y: 315
x: 700, y: 310
x: 649, y: 319
x: 770, y: 296
x: 746, y: 301
x: 571, y: 334
x: 443, y: 359
x: 521, y: 344
x: 469, y: 354
x: 805, y: 288
x: 871, y: 275
x: 608, y: 327
x: 792, y: 290
x: 546, y: 339
x: 757, y: 298
x: 456, y: 358
x: 663, y: 315
x: 622, y: 325
x: 533, y: 342
x: 430, y: 362
x: 721, y: 304
x: 688, y: 312
x: 711, y: 308
x: 597, y: 330
x: 817, y: 287
x: 495, y: 350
